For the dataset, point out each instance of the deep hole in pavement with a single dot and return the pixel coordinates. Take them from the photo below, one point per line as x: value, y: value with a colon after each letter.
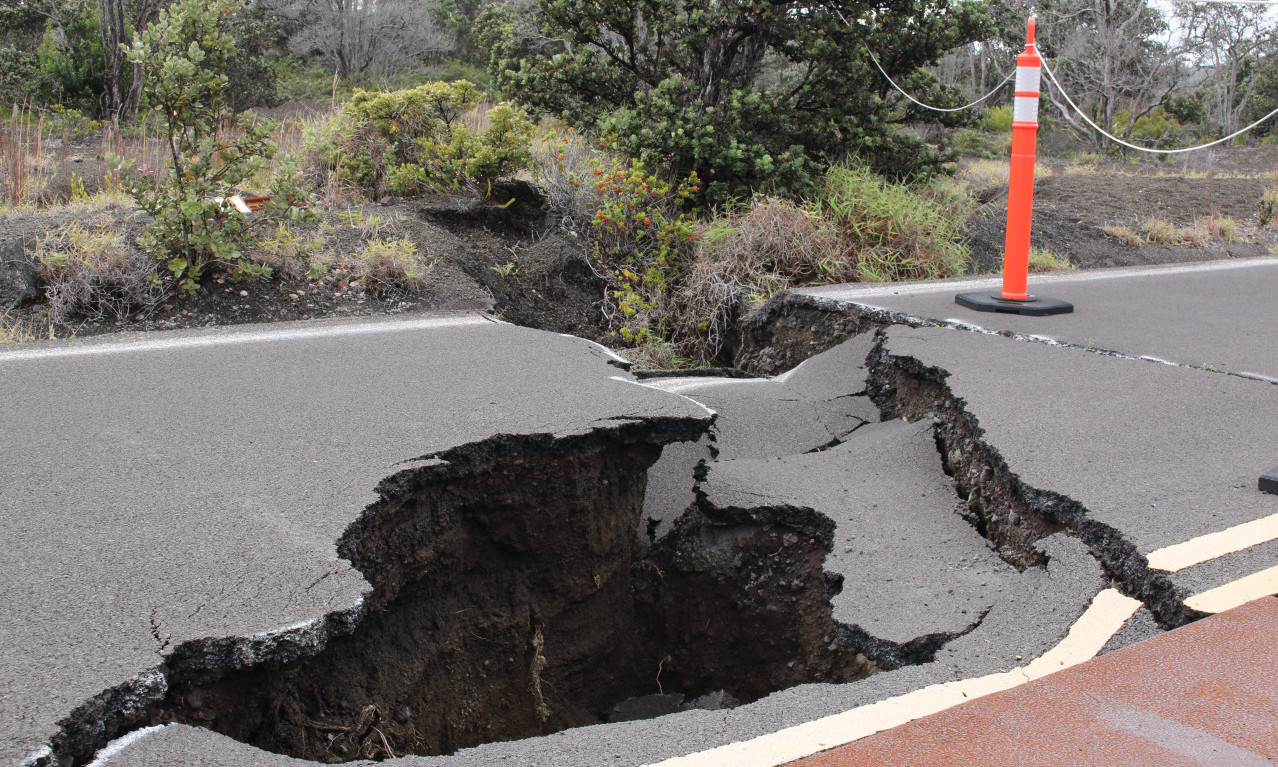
x: 513, y: 596
x: 517, y: 599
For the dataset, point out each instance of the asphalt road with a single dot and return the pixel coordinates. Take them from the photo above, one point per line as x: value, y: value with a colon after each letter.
x: 190, y: 485
x: 187, y: 454
x: 1219, y: 314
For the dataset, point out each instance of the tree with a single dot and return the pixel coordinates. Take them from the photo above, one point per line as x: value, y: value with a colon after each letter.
x: 372, y: 38
x: 1110, y: 55
x: 183, y: 57
x: 1227, y: 41
x: 752, y: 95
x: 118, y: 19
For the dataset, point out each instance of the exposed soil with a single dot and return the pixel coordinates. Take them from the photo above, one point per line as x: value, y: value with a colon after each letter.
x: 1071, y: 207
x: 513, y: 597
x: 506, y: 255
x: 486, y: 256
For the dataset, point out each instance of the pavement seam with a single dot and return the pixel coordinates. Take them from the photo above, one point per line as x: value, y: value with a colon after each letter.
x: 886, y: 317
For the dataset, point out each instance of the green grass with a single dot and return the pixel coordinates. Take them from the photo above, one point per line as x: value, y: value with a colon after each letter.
x: 1044, y: 260
x: 891, y: 231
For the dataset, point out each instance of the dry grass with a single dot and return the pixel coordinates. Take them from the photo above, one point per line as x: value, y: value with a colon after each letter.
x: 1044, y: 260
x: 1123, y: 234
x: 93, y: 272
x: 23, y: 165
x: 286, y: 253
x: 890, y: 231
x: 743, y: 259
x: 16, y: 329
x: 1221, y: 227
x: 1164, y: 232
x: 976, y: 175
x: 392, y: 267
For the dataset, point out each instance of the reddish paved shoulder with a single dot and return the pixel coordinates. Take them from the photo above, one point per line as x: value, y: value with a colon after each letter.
x: 1205, y: 694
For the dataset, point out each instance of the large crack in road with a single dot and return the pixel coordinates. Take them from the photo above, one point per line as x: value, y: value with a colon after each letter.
x: 838, y: 533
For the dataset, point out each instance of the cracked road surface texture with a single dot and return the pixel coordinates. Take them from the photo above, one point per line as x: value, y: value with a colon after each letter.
x: 1098, y: 461
x: 194, y: 486
x: 815, y: 405
x: 1219, y: 314
x: 1156, y: 453
x: 912, y: 568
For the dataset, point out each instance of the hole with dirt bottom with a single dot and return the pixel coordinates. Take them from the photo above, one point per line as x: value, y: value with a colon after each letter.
x: 513, y: 597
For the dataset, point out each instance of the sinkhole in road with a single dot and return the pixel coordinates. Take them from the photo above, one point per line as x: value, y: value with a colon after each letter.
x: 513, y: 596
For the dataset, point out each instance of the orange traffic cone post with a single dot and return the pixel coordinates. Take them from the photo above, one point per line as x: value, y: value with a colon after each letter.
x: 1020, y: 200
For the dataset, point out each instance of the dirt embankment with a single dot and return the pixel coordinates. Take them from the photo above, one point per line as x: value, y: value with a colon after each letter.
x: 1071, y: 208
x: 506, y: 254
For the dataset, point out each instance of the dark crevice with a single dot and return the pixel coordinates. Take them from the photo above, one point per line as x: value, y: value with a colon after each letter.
x: 1011, y: 514
x: 511, y: 597
x: 836, y: 441
x: 888, y: 655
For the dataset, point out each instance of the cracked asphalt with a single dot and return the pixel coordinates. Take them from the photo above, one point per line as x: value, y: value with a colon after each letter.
x: 188, y: 456
x: 184, y: 486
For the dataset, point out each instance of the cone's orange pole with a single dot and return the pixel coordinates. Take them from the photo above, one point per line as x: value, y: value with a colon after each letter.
x: 1020, y: 182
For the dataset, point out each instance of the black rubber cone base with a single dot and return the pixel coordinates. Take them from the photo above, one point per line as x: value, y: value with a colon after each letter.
x: 1034, y: 306
x: 1269, y: 481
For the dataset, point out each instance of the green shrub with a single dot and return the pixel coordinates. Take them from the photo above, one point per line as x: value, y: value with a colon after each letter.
x: 424, y: 138
x: 1267, y: 206
x: 18, y: 74
x: 391, y: 267
x: 997, y: 119
x: 640, y: 240
x: 1157, y: 128
x: 93, y: 272
x: 753, y: 97
x: 183, y: 56
x: 70, y: 66
x: 889, y: 231
x: 975, y: 143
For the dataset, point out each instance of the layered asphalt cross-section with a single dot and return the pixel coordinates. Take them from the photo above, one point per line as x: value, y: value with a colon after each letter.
x: 177, y: 501
x: 1152, y: 465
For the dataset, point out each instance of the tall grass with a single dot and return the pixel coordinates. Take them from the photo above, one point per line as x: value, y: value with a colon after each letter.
x: 888, y: 231
x: 22, y: 156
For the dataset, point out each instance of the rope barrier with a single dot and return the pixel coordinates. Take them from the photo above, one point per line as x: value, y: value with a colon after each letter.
x: 892, y: 82
x: 1051, y: 78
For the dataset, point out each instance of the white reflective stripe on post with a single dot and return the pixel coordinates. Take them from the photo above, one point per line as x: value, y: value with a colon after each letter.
x: 1025, y: 109
x: 1027, y: 79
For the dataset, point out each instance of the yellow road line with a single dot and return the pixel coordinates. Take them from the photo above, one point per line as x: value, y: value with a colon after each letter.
x: 1102, y: 619
x: 1239, y: 592
x: 1207, y: 547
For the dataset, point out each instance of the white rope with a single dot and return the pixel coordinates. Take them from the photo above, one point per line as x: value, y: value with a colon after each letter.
x: 1006, y: 80
x: 1052, y: 78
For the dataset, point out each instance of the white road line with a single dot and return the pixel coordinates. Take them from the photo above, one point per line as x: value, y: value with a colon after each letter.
x: 1098, y: 624
x: 854, y: 292
x: 219, y: 338
x: 121, y: 743
x: 1235, y: 593
x: 1213, y: 545
x: 682, y: 383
